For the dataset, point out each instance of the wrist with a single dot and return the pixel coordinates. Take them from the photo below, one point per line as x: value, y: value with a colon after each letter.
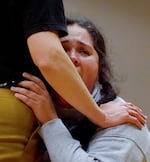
x: 47, y: 119
x: 98, y: 117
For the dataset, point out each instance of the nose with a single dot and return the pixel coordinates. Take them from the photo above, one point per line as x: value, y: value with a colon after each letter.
x: 74, y: 57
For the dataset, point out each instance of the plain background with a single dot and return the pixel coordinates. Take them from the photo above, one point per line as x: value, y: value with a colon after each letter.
x: 125, y: 25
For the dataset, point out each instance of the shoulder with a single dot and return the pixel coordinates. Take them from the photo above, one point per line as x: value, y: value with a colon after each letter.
x: 139, y: 137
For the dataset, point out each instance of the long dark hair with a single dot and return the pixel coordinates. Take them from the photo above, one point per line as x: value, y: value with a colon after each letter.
x: 105, y: 76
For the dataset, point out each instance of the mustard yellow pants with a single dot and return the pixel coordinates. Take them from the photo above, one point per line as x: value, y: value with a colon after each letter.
x: 18, y: 130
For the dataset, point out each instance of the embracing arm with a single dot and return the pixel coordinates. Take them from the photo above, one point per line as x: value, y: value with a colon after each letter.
x: 34, y: 93
x: 49, y: 56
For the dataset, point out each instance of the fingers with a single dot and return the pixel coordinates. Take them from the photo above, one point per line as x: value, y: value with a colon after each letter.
x: 34, y: 79
x: 30, y: 85
x: 135, y: 115
x: 136, y: 110
x: 142, y: 119
x: 28, y: 101
x: 20, y: 92
x: 31, y: 91
x: 135, y: 121
x: 33, y: 83
x: 27, y: 97
x: 132, y: 106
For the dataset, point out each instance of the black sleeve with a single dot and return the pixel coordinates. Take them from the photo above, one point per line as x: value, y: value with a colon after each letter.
x: 44, y: 15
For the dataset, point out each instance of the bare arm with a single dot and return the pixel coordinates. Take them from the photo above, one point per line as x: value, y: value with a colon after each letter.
x: 50, y: 57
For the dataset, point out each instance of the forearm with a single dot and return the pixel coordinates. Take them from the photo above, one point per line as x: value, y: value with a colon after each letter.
x: 61, y: 74
x: 60, y: 144
x: 102, y: 147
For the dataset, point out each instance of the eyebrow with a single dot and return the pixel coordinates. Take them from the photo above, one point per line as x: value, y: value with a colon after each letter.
x: 81, y: 43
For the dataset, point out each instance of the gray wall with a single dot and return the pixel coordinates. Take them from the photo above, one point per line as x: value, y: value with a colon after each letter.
x: 126, y: 28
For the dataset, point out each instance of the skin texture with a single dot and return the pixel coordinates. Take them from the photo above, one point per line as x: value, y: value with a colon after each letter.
x: 79, y: 47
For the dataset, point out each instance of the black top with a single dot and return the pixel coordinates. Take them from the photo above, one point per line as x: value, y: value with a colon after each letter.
x: 22, y: 18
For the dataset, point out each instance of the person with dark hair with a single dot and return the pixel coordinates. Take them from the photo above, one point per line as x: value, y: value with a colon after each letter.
x: 31, y: 31
x: 68, y: 134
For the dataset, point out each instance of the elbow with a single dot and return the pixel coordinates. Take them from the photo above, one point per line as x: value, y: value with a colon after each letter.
x: 51, y: 61
x: 45, y: 63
